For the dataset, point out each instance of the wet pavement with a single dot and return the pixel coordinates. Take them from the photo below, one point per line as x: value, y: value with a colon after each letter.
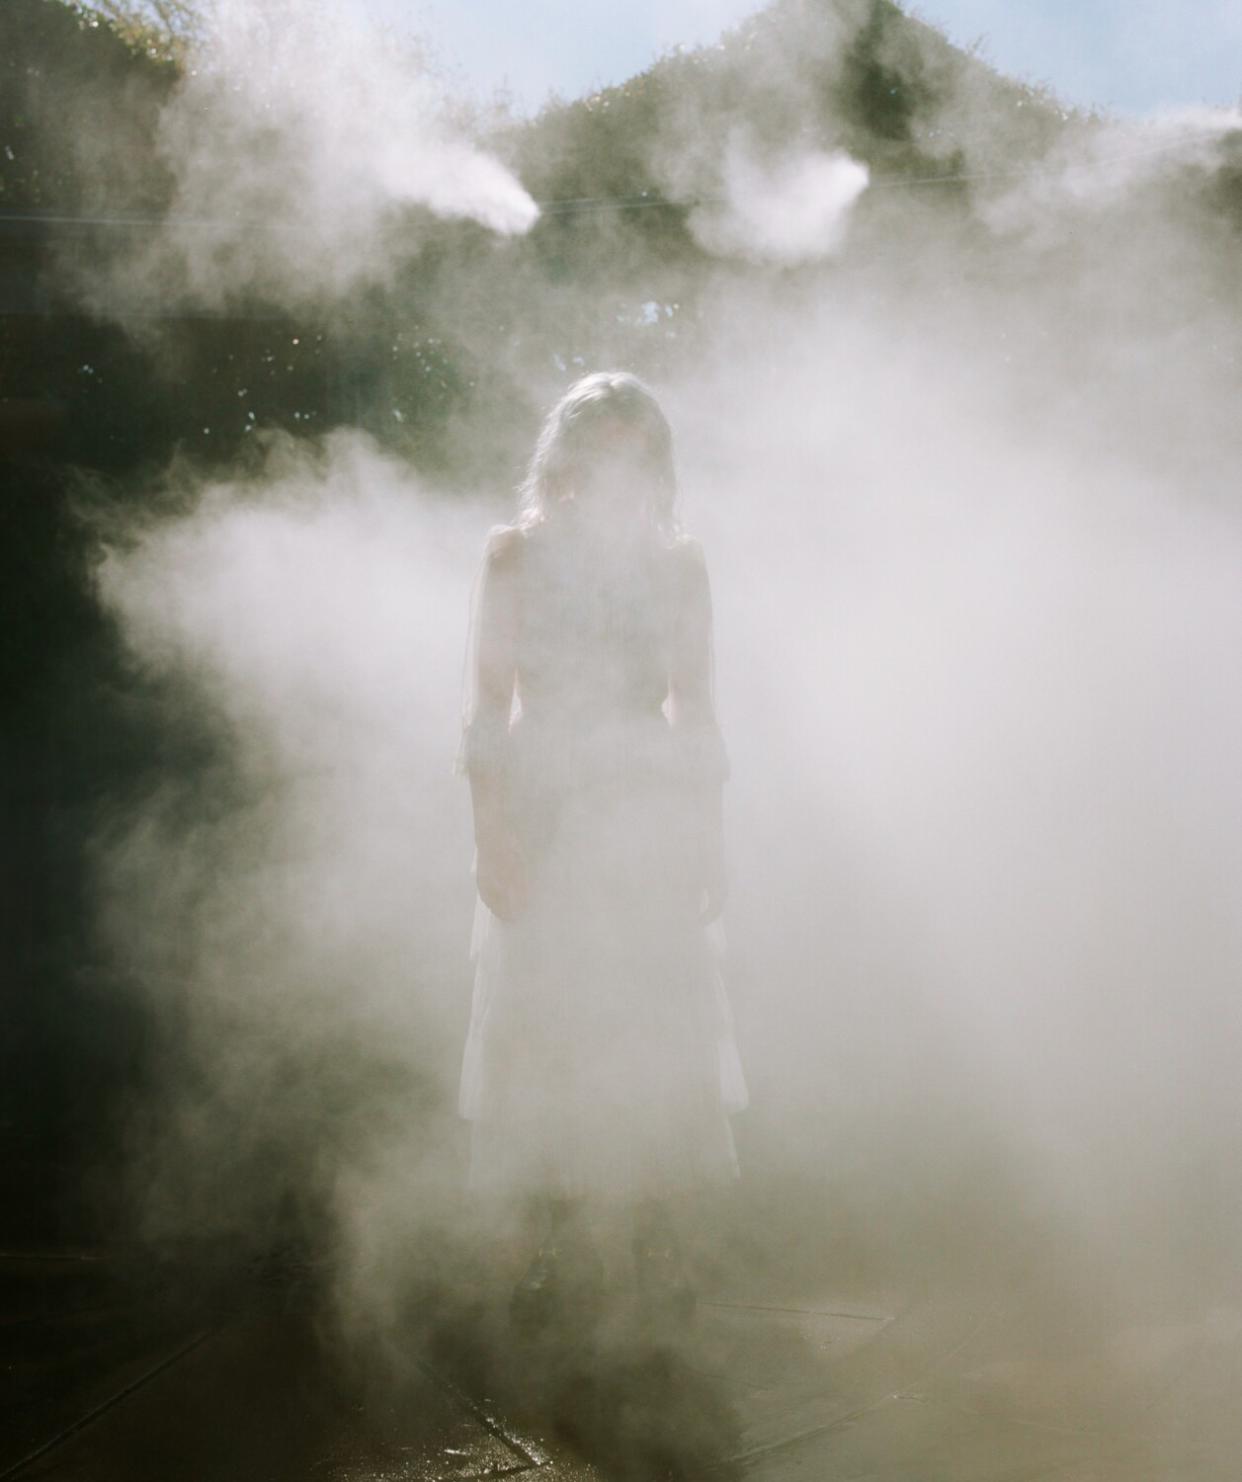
x: 104, y: 1379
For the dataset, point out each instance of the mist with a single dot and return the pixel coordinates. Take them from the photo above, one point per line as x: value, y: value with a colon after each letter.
x: 789, y: 210
x: 280, y: 907
x: 305, y: 154
x: 968, y: 499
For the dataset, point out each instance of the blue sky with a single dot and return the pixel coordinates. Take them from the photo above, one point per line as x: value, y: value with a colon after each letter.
x: 1128, y: 55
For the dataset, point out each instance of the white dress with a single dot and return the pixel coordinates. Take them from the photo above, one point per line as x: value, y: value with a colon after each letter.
x: 600, y: 1058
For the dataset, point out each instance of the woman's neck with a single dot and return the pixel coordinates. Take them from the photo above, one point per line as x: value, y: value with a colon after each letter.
x: 589, y: 530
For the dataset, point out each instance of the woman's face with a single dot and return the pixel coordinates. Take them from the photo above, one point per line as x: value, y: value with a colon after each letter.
x: 612, y: 471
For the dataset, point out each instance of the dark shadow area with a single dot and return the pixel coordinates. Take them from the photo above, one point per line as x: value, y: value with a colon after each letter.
x: 626, y: 1393
x: 117, y: 1367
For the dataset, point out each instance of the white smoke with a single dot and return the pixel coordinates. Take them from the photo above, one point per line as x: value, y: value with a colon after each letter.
x: 311, y: 620
x: 1095, y: 169
x: 299, y: 142
x: 793, y: 207
x: 973, y: 544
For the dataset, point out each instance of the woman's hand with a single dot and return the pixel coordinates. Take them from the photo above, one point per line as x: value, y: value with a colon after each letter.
x: 501, y: 875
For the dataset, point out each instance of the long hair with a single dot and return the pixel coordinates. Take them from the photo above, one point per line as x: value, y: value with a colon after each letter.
x: 567, y: 442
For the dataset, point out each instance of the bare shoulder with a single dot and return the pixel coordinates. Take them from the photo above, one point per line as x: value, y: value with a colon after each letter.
x: 685, y: 547
x: 504, y: 547
x: 687, y: 563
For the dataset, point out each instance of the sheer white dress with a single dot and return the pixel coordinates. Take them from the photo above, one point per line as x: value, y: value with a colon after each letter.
x: 600, y: 1058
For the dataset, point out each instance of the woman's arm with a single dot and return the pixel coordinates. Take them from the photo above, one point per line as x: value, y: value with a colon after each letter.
x: 693, y: 714
x: 499, y: 869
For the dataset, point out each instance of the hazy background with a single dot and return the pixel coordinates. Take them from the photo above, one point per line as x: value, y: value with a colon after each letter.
x: 963, y: 456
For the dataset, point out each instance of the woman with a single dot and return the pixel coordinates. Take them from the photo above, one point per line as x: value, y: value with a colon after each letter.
x: 599, y: 1069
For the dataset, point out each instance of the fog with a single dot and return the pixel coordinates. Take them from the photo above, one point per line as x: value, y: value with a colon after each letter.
x: 791, y: 209
x: 968, y: 501
x: 301, y: 147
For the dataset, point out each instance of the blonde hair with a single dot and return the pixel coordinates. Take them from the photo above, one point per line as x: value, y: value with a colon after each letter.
x: 566, y: 440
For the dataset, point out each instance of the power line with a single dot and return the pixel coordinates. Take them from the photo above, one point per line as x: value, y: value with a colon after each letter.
x: 645, y: 202
x: 897, y: 182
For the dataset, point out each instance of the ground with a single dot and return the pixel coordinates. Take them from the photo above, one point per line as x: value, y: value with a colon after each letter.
x: 109, y: 1375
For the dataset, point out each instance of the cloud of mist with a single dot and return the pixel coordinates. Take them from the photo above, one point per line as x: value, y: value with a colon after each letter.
x: 1107, y: 165
x: 790, y: 209
x: 287, y: 912
x: 973, y: 530
x: 969, y: 506
x: 300, y: 143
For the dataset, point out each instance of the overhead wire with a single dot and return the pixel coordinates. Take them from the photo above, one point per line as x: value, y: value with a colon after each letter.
x: 572, y: 205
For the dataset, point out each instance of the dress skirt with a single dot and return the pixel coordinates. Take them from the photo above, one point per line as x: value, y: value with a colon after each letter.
x: 600, y: 1059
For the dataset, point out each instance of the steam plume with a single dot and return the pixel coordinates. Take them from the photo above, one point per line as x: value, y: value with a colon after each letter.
x: 299, y: 141
x: 789, y: 209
